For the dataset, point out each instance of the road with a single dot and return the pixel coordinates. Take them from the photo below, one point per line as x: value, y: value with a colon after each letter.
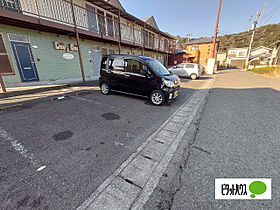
x: 55, y: 153
x: 235, y: 135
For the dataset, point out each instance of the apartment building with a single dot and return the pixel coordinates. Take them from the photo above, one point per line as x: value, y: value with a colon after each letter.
x: 200, y: 50
x: 61, y: 41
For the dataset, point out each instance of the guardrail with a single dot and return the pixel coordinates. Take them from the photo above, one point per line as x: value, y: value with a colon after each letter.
x: 88, y: 18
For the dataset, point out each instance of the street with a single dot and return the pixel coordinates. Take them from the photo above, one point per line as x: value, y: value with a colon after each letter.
x: 234, y: 135
x: 80, y: 141
x: 62, y: 154
x: 139, y: 105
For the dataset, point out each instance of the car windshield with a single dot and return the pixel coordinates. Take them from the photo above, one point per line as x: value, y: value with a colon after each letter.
x: 157, y: 67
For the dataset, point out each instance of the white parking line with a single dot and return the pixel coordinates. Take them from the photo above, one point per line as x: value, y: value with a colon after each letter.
x: 17, y: 146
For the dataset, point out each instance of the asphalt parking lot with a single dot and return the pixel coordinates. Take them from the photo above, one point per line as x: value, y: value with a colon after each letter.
x: 79, y: 141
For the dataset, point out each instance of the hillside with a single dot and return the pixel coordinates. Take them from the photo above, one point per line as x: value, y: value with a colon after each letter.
x: 265, y: 35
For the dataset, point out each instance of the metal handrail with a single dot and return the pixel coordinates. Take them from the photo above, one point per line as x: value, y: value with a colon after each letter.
x: 60, y: 11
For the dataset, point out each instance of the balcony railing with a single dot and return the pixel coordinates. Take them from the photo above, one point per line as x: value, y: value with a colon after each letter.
x: 60, y: 11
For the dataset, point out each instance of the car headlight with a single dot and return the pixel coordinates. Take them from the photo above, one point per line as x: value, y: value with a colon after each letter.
x: 168, y: 83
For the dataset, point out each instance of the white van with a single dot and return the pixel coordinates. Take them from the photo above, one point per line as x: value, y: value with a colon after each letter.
x: 191, y: 70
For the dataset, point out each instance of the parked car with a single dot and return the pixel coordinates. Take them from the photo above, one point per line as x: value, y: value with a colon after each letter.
x: 138, y: 75
x: 191, y: 70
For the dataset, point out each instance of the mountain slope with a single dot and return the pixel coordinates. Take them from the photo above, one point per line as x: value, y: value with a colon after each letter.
x: 265, y: 35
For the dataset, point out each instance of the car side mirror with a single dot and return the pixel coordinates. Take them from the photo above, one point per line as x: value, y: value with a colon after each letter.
x: 174, y: 67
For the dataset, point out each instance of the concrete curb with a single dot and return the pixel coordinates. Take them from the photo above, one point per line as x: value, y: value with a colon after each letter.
x: 57, y: 98
x: 31, y: 91
x: 131, y: 185
x: 43, y: 89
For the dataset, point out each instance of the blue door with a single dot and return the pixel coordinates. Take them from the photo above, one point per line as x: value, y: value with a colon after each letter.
x: 25, y: 61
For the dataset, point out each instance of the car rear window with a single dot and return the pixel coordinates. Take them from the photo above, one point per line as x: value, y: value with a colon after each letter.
x: 180, y: 65
x: 104, y: 63
x: 189, y: 66
x: 116, y: 64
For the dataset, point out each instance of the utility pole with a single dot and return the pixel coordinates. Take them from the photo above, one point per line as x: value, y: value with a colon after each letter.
x: 120, y: 34
x: 189, y: 37
x: 252, y: 39
x: 78, y: 41
x: 216, y: 30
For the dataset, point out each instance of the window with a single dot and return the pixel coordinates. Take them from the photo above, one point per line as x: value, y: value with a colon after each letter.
x: 104, y: 51
x: 91, y: 16
x: 18, y: 38
x: 12, y: 5
x: 110, y: 27
x: 111, y: 51
x: 180, y: 65
x: 116, y: 64
x: 116, y: 27
x: 104, y: 63
x: 166, y: 43
x: 157, y: 67
x: 194, y: 48
x: 6, y: 65
x: 101, y: 22
x: 134, y: 66
x: 146, y: 38
x: 189, y: 66
x: 241, y: 54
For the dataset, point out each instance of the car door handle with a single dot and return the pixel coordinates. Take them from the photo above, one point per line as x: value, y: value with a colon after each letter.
x: 127, y: 75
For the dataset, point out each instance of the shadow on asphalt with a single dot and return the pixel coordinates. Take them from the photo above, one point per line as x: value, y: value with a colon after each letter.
x: 205, y: 78
x: 29, y: 100
x: 93, y: 147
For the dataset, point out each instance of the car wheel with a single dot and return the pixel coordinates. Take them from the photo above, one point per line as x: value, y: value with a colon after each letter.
x: 193, y: 76
x: 105, y: 89
x: 157, y: 97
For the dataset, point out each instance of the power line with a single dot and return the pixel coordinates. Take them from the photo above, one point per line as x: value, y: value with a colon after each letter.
x: 273, y: 11
x: 263, y: 14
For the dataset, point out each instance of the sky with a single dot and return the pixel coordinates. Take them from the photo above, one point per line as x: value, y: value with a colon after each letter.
x: 198, y: 17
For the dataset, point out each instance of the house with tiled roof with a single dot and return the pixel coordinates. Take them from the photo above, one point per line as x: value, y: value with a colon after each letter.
x: 200, y: 50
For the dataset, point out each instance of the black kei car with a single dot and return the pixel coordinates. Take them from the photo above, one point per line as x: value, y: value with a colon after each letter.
x: 138, y: 75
